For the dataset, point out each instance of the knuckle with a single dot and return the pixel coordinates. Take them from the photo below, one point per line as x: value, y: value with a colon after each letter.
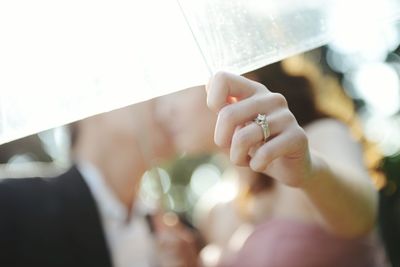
x: 262, y: 99
x: 289, y: 116
x: 221, y: 76
x: 302, y: 133
x: 257, y: 167
x: 261, y: 87
x: 241, y: 139
x: 300, y: 136
x: 226, y: 114
x: 265, y: 155
x: 279, y: 99
x: 212, y: 104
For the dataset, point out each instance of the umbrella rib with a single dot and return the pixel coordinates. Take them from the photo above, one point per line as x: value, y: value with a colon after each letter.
x: 195, y: 39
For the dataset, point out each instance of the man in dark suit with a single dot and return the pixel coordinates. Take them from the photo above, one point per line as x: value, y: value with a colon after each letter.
x: 50, y: 222
x: 88, y: 216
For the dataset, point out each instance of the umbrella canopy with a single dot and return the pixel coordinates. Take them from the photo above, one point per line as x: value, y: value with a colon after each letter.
x: 61, y: 61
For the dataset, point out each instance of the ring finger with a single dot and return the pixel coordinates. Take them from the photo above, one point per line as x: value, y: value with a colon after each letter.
x: 252, y: 134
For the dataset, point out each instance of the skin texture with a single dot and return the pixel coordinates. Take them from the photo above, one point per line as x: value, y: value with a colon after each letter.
x: 123, y: 144
x: 187, y: 120
x: 319, y: 169
x: 328, y: 173
x: 319, y: 174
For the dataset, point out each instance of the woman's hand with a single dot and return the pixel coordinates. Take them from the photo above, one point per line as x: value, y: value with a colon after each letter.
x: 237, y: 100
x: 332, y: 175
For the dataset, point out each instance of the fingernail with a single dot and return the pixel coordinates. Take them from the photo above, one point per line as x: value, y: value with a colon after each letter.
x: 256, y: 165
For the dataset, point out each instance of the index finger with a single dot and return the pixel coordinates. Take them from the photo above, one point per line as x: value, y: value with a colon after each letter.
x: 223, y: 86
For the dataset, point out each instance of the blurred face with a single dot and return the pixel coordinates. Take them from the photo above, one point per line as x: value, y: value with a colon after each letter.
x: 152, y: 136
x: 187, y: 120
x: 133, y: 131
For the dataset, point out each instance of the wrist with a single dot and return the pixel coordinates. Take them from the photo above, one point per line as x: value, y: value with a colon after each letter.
x: 318, y: 167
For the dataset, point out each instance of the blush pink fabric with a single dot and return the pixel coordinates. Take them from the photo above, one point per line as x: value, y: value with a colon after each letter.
x: 285, y: 243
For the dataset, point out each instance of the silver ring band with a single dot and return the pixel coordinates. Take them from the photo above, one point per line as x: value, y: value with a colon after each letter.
x: 262, y: 121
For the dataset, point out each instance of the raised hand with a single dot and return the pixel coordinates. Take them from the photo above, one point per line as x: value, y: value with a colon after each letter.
x: 284, y: 155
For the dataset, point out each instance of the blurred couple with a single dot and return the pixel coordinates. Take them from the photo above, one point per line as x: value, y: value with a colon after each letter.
x: 306, y: 173
x: 90, y: 215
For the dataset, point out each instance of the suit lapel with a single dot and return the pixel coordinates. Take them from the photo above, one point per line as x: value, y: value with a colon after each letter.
x: 82, y: 221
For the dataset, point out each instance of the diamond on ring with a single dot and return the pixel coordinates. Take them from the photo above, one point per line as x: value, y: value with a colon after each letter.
x: 262, y: 121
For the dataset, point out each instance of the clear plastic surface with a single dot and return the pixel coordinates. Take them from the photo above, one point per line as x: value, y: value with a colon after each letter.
x: 61, y: 61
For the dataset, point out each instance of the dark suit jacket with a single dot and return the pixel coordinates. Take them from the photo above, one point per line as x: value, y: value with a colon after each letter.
x: 50, y: 222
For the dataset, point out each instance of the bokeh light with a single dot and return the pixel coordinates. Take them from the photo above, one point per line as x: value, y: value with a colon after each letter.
x: 379, y: 85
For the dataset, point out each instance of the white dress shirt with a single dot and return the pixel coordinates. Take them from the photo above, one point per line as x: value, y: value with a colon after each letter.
x: 129, y: 240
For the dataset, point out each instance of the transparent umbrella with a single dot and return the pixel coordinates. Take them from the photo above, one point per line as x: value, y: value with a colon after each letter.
x: 61, y: 61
